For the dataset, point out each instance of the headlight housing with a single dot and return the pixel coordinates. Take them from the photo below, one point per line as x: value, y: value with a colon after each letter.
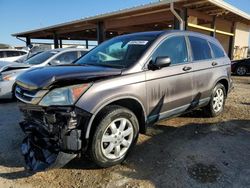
x: 64, y: 96
x: 7, y: 77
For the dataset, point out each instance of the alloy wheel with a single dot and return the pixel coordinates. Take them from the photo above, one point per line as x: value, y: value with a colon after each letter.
x: 117, y: 138
x: 218, y: 100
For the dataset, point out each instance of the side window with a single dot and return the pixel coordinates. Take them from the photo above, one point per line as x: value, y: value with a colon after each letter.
x: 12, y: 53
x: 200, y: 48
x: 66, y: 58
x: 1, y: 54
x: 175, y: 48
x: 218, y: 52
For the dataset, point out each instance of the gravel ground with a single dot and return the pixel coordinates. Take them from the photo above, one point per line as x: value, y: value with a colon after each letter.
x: 188, y: 151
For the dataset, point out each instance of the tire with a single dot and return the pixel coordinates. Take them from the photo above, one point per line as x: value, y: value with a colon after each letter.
x: 217, y: 101
x: 110, y: 145
x: 241, y: 70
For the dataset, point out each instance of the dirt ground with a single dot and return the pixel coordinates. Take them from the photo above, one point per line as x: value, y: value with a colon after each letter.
x: 188, y: 151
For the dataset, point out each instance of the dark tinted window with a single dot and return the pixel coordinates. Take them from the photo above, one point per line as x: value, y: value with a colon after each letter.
x: 218, y: 52
x: 67, y: 57
x: 12, y: 53
x: 1, y: 54
x: 175, y: 48
x: 200, y: 48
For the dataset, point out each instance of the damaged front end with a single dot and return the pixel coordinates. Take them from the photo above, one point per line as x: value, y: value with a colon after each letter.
x: 54, y: 135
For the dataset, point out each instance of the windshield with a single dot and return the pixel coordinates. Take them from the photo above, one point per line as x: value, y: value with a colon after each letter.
x: 40, y: 58
x: 119, y: 52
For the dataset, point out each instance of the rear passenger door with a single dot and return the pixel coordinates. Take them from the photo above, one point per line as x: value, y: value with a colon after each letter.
x: 204, y: 63
x: 170, y: 89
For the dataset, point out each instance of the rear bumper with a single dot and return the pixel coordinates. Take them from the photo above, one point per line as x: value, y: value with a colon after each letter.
x: 54, y: 135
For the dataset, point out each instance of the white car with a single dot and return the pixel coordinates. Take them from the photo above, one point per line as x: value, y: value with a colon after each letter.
x: 10, y: 70
x: 12, y: 54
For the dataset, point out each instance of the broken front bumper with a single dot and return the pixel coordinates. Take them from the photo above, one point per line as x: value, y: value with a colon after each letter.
x: 54, y: 135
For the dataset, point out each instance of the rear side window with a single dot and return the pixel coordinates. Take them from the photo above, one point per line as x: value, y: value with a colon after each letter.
x: 175, y: 48
x: 200, y: 48
x: 218, y: 52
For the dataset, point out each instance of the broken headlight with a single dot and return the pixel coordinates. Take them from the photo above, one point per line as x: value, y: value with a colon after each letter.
x: 65, y: 95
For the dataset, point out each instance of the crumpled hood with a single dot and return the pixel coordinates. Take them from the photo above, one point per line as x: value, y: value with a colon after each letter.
x: 5, y: 65
x: 44, y: 77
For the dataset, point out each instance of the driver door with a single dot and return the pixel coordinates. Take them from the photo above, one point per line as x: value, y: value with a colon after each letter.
x: 170, y: 89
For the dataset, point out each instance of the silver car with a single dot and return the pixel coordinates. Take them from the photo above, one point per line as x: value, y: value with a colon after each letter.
x: 9, y: 71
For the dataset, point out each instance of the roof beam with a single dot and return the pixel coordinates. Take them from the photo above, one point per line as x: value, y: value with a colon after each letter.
x: 138, y: 20
x: 195, y: 3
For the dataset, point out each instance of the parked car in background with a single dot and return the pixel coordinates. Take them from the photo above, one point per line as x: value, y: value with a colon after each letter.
x: 101, y: 103
x: 241, y: 67
x: 11, y: 54
x: 9, y: 71
x: 27, y: 56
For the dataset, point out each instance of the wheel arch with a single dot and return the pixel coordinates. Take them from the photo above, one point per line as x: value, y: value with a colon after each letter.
x: 225, y: 82
x: 130, y: 102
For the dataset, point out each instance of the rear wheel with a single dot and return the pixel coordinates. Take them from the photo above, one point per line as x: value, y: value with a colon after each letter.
x: 217, y: 101
x: 241, y: 70
x: 115, y: 135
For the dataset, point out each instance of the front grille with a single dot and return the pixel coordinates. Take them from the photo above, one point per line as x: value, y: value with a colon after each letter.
x: 24, y: 94
x: 29, y: 96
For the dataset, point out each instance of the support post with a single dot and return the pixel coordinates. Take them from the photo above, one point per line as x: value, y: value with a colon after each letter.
x: 100, y: 32
x: 28, y: 41
x: 183, y: 13
x: 60, y: 42
x: 231, y: 42
x: 56, y: 41
x: 213, y: 26
x: 87, y: 44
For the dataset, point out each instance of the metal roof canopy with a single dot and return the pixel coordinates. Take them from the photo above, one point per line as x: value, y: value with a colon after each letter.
x: 154, y: 16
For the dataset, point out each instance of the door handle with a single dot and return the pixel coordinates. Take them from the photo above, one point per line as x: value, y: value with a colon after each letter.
x: 186, y: 68
x: 214, y: 63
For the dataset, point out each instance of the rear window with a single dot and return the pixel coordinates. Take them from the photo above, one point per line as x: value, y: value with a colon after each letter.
x: 200, y: 48
x: 218, y: 52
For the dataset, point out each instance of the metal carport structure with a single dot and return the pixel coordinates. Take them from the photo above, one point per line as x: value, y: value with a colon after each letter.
x: 213, y: 17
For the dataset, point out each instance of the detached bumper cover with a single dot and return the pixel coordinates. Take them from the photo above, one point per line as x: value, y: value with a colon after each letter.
x: 54, y: 136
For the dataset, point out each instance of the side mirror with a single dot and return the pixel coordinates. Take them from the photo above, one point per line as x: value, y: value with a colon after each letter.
x: 54, y: 62
x: 159, y: 63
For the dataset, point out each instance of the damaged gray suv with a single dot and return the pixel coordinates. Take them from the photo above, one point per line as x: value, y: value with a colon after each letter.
x: 101, y: 103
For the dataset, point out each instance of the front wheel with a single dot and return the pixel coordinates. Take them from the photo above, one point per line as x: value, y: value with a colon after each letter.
x: 217, y: 101
x: 115, y: 135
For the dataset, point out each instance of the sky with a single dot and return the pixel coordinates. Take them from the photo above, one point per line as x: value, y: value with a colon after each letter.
x: 22, y: 15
